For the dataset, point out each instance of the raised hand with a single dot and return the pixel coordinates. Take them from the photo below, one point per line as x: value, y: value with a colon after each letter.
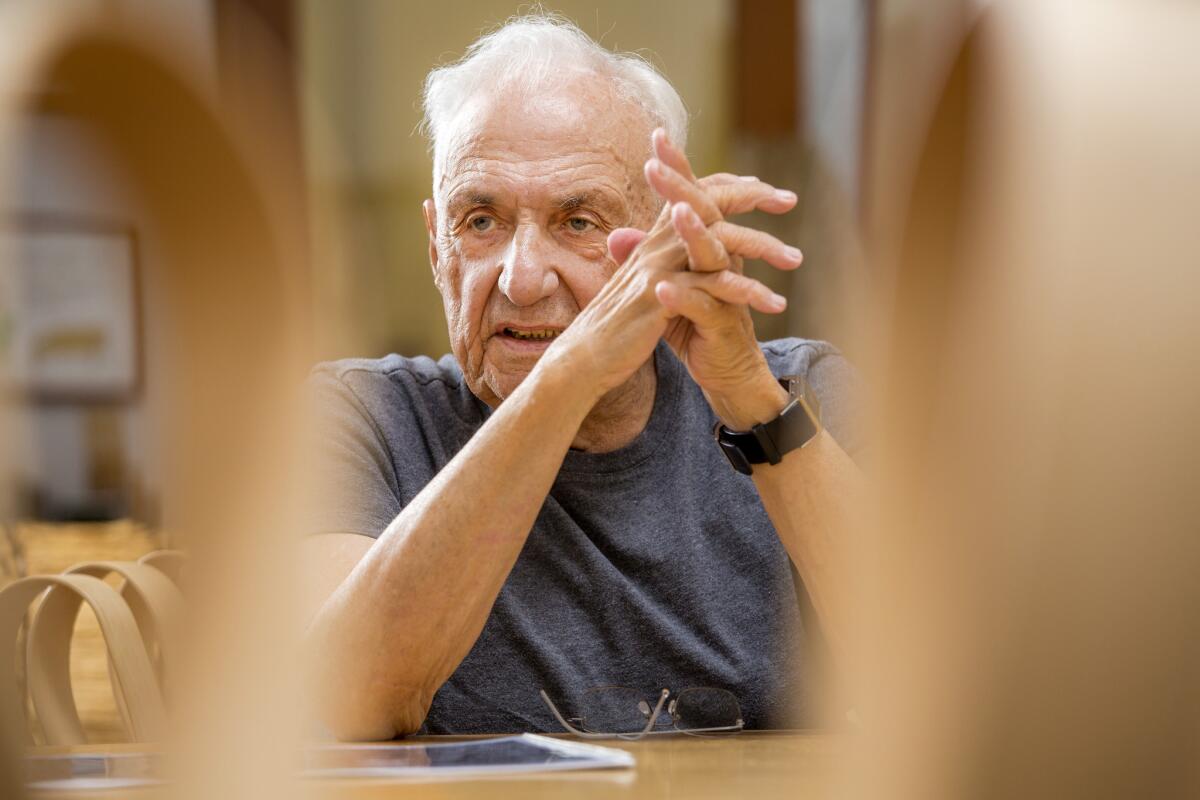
x: 711, y: 330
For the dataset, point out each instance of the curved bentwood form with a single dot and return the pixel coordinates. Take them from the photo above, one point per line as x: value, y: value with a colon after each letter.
x: 608, y: 712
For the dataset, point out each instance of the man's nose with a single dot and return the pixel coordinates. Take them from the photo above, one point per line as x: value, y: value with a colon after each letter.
x: 529, y: 272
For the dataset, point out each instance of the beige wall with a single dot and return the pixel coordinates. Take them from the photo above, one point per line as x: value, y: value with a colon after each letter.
x: 364, y: 63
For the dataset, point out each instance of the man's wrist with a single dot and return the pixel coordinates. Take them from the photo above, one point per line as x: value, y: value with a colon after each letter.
x: 754, y: 404
x: 559, y: 377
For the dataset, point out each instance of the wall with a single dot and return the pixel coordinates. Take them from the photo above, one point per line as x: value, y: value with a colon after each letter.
x: 62, y: 173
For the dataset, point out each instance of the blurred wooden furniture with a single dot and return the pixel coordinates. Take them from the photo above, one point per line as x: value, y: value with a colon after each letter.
x: 51, y: 548
x: 757, y: 765
x: 122, y: 648
x: 227, y: 308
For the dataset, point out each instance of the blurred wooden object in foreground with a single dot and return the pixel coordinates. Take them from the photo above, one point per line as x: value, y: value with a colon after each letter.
x: 228, y: 307
x: 1037, y: 618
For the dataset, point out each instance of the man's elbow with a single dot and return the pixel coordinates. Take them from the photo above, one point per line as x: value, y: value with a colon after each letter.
x: 369, y: 717
x: 360, y: 728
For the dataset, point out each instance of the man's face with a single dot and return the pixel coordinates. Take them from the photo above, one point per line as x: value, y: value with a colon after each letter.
x: 530, y: 190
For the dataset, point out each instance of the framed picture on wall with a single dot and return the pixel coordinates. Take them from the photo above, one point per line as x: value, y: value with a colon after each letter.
x: 69, y: 322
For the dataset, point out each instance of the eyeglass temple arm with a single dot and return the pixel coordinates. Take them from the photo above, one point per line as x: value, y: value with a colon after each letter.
x: 662, y: 698
x: 561, y: 721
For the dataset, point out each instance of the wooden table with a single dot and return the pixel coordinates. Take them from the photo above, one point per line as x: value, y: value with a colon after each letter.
x: 758, y: 765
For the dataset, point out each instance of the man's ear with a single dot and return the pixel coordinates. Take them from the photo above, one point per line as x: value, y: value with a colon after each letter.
x: 430, y: 212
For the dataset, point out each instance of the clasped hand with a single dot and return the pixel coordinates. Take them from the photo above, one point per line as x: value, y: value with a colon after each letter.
x: 682, y: 281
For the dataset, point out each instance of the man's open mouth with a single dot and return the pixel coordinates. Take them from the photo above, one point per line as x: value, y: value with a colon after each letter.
x: 531, y: 335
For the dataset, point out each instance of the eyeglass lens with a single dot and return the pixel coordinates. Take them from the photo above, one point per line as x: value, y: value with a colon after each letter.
x: 613, y: 709
x: 703, y: 709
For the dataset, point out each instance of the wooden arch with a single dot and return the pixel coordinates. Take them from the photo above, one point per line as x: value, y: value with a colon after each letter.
x: 231, y: 314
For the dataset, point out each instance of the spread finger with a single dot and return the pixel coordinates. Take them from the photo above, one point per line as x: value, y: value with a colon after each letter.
x: 750, y: 243
x: 740, y: 197
x: 705, y: 251
x: 675, y: 188
x: 719, y: 178
x: 669, y: 154
x: 724, y: 286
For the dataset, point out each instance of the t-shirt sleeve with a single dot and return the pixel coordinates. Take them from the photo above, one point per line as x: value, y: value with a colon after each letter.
x: 835, y: 382
x: 356, y: 487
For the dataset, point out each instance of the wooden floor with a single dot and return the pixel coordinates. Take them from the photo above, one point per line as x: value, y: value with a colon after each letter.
x: 51, y: 548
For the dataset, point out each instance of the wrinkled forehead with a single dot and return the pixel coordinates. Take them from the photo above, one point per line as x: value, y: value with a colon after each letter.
x: 582, y: 121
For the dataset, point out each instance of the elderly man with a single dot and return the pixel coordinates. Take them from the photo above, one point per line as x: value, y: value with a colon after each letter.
x: 548, y: 509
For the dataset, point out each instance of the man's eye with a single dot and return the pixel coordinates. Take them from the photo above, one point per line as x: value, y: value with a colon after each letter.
x: 482, y: 223
x: 580, y: 224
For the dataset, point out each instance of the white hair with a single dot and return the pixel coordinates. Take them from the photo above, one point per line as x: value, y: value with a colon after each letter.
x: 530, y: 51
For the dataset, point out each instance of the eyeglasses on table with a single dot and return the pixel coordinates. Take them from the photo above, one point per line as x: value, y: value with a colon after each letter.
x: 607, y: 712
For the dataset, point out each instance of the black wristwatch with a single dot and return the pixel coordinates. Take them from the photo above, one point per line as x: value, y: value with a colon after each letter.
x: 769, y: 442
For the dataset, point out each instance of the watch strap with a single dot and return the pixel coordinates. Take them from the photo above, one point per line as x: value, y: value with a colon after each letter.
x: 768, y: 443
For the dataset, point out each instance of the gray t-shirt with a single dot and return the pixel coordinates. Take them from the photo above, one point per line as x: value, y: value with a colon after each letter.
x: 651, y: 566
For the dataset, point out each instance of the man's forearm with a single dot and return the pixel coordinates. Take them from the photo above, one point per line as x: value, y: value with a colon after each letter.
x: 810, y: 496
x: 408, y: 613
